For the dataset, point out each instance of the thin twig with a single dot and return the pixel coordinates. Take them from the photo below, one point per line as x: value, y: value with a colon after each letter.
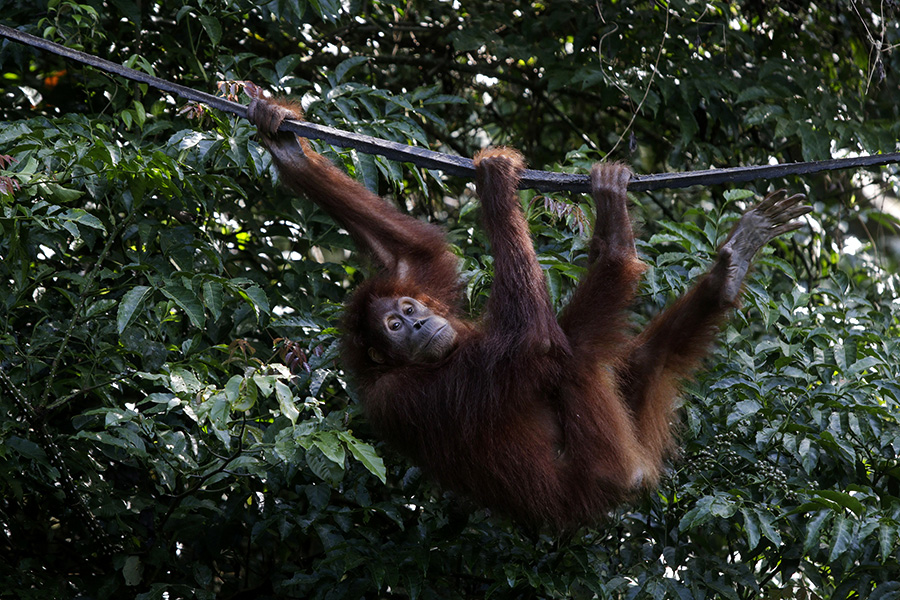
x: 653, y: 72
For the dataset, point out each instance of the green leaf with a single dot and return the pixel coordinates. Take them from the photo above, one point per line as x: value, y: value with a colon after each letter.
x: 241, y: 393
x: 762, y: 114
x: 753, y: 93
x: 330, y: 10
x: 844, y: 500
x: 743, y: 409
x: 83, y: 217
x: 365, y: 454
x: 256, y: 297
x: 323, y: 467
x: 767, y: 526
x: 738, y: 194
x: 689, y: 236
x: 129, y: 306
x: 287, y: 64
x: 887, y: 538
x: 330, y: 445
x: 219, y: 410
x: 265, y: 383
x: 809, y: 455
x: 99, y: 307
x: 12, y: 130
x: 286, y: 401
x: 212, y: 27
x: 186, y: 300
x: 213, y: 298
x: 62, y: 195
x: 842, y: 537
x: 718, y: 505
x: 133, y: 571
x: 232, y: 389
x: 814, y: 530
x: 344, y: 67
x: 27, y: 448
x: 751, y: 528
x: 869, y: 362
x: 816, y: 144
x: 366, y: 170
x: 182, y: 381
x: 140, y: 113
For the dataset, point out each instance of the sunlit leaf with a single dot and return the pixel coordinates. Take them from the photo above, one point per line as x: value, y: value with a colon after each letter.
x: 131, y: 303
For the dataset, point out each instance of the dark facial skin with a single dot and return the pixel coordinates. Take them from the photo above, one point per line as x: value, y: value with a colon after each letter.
x: 413, y: 332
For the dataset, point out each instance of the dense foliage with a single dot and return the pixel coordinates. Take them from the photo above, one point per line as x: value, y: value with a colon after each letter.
x: 151, y: 442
